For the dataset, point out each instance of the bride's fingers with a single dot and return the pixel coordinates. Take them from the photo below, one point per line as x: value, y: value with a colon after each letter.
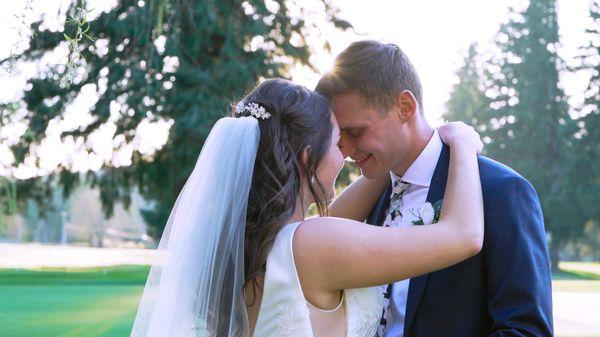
x: 445, y: 132
x: 477, y: 140
x: 459, y: 131
x: 452, y: 131
x: 479, y: 144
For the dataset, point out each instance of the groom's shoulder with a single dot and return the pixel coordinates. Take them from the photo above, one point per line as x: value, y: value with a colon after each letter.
x: 492, y: 168
x: 496, y: 175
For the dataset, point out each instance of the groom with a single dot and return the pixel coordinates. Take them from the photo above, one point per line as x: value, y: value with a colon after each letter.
x: 505, y: 290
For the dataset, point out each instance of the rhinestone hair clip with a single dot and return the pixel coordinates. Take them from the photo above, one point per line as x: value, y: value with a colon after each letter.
x: 254, y: 109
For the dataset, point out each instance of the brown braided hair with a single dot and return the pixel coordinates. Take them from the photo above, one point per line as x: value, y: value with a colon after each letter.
x: 300, y: 119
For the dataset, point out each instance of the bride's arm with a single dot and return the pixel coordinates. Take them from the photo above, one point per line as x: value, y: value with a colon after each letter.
x: 333, y: 253
x: 359, y: 198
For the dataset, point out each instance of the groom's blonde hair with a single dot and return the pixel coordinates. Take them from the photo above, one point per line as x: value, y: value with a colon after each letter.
x: 375, y: 70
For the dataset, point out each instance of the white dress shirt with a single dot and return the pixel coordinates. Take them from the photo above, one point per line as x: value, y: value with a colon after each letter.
x: 419, y: 175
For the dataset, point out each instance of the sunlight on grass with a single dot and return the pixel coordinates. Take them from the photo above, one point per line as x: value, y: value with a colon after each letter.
x: 577, y: 276
x: 90, y: 302
x: 102, y: 301
x: 586, y: 268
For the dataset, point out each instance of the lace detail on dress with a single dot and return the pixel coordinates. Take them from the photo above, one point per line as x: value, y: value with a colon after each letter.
x: 288, y: 315
x: 367, y: 318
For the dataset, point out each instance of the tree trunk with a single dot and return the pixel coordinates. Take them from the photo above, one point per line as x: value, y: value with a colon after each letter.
x: 555, y: 246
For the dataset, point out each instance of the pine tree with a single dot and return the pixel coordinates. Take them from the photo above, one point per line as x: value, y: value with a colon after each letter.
x: 533, y: 131
x: 588, y: 138
x: 177, y: 61
x: 467, y: 101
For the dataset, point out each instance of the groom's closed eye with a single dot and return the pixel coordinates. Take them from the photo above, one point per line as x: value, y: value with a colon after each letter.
x: 354, y: 133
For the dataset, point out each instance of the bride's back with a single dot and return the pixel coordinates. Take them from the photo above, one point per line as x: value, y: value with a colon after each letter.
x: 324, y: 323
x: 279, y: 306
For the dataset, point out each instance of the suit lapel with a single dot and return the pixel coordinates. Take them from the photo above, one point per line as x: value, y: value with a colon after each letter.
x: 436, y: 192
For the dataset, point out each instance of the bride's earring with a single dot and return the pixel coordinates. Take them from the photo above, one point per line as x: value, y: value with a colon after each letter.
x: 312, y: 179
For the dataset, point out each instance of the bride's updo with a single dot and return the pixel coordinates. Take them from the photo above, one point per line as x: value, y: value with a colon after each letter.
x: 299, y: 119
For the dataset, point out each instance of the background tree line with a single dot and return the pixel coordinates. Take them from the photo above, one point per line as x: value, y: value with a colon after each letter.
x: 513, y: 97
x: 182, y: 62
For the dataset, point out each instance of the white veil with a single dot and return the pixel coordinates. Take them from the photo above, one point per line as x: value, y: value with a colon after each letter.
x: 195, y: 287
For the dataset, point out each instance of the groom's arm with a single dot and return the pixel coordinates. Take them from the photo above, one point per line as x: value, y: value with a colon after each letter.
x: 519, y: 290
x: 358, y: 199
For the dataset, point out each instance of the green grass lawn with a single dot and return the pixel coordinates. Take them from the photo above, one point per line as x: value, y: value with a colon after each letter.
x: 93, y: 302
x: 101, y: 302
x: 577, y: 276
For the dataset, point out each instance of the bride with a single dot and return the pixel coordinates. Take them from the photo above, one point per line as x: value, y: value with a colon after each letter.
x: 239, y: 257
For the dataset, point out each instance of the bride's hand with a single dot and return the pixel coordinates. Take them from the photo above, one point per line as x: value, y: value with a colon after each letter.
x: 459, y: 133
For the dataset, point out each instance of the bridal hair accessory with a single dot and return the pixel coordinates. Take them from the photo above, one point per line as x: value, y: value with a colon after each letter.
x: 254, y: 109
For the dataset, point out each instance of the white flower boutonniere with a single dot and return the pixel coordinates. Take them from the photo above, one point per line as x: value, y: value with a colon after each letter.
x: 428, y: 214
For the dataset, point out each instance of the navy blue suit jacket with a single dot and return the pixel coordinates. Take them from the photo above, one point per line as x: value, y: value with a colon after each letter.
x: 505, y: 290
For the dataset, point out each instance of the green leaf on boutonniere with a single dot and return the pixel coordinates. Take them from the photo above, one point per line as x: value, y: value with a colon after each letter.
x: 437, y: 207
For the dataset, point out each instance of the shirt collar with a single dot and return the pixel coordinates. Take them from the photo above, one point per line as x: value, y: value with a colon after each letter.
x: 421, y: 170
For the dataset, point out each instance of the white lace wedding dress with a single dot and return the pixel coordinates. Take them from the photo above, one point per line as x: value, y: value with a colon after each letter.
x: 285, y: 312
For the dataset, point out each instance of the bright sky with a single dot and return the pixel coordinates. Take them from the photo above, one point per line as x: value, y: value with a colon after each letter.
x: 432, y: 33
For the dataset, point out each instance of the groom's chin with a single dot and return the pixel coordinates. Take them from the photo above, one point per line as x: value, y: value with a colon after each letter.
x: 366, y: 174
x: 370, y: 174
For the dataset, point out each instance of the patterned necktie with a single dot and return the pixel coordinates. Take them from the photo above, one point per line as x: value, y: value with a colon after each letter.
x: 395, y: 210
x: 398, y: 189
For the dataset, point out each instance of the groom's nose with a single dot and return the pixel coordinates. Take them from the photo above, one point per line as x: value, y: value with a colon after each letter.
x: 346, y: 146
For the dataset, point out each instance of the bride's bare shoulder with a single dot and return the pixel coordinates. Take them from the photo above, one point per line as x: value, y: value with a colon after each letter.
x: 326, y: 224
x: 319, y: 231
x: 324, y: 247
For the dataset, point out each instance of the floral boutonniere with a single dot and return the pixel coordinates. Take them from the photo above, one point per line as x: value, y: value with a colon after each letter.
x: 428, y: 213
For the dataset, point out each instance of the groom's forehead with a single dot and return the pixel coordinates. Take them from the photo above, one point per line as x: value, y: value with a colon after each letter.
x: 352, y: 108
x: 350, y: 125
x: 348, y: 100
x: 357, y: 118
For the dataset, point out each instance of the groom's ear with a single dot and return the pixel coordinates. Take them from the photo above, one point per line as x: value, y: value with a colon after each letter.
x: 406, y: 105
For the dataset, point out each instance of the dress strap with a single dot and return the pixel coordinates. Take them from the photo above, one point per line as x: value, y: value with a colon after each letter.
x: 330, y: 310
